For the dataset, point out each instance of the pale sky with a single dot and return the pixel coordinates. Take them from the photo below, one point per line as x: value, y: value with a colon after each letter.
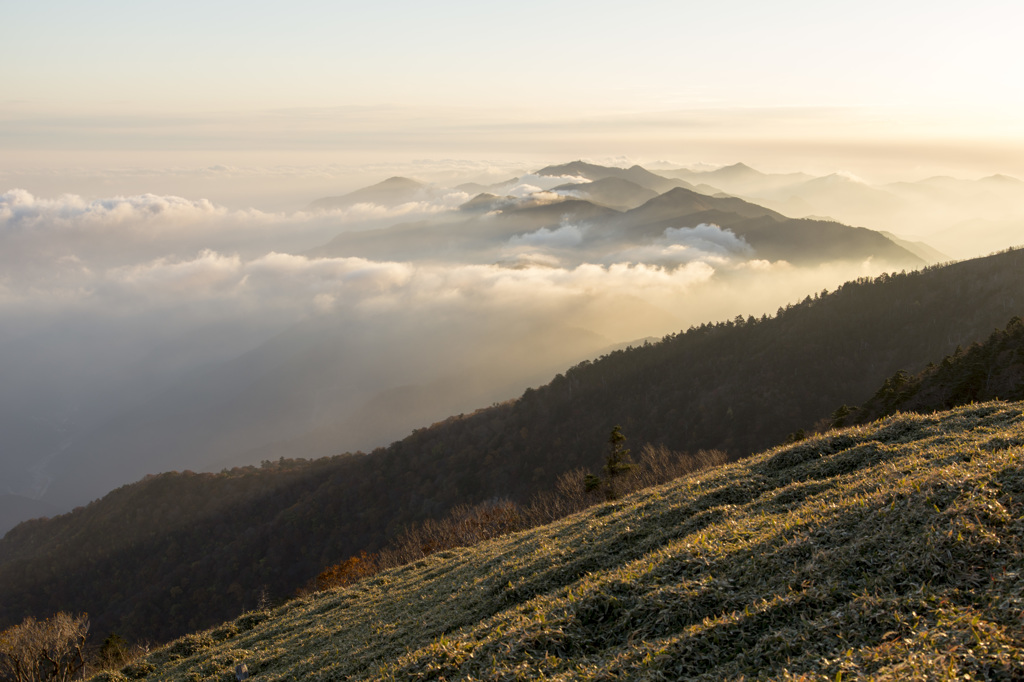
x: 645, y: 79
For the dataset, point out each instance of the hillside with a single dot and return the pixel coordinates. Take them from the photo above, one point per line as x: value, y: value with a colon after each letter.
x: 772, y: 235
x: 990, y: 370
x: 181, y: 551
x: 612, y: 192
x: 890, y: 551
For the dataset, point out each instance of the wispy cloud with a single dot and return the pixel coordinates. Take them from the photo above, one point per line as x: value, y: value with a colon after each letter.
x: 706, y: 243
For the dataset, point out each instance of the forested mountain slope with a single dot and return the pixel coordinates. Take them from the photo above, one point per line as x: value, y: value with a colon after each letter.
x: 177, y: 552
x: 990, y: 370
x: 888, y: 552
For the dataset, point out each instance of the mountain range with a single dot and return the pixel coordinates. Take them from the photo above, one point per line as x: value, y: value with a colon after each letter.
x: 174, y: 552
x: 953, y: 216
x: 327, y: 383
x: 623, y: 214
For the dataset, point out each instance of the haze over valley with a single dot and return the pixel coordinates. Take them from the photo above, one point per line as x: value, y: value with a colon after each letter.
x: 147, y: 333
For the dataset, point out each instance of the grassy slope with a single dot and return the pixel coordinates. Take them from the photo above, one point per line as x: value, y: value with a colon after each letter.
x: 891, y: 550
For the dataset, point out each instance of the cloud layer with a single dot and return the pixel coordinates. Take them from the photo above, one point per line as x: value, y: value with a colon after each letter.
x: 118, y: 311
x: 131, y: 253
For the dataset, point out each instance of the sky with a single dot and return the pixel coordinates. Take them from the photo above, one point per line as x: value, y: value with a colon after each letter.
x: 888, y: 90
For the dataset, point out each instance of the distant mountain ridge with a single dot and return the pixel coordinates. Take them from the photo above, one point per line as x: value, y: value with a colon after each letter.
x: 954, y: 216
x: 635, y: 174
x: 773, y: 235
x: 618, y: 208
x: 390, y: 192
x: 680, y: 202
x: 920, y: 249
x: 738, y: 178
x: 612, y: 192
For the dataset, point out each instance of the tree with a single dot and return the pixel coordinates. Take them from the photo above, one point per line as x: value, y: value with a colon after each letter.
x: 617, y: 462
x: 838, y: 419
x: 114, y: 652
x: 44, y: 651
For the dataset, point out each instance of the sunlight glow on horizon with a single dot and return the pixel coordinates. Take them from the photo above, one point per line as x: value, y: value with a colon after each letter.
x: 940, y: 64
x: 888, y: 91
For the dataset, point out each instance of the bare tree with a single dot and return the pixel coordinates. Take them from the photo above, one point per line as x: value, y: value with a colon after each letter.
x: 51, y: 650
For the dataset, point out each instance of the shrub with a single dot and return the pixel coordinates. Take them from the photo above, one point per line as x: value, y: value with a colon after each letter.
x: 38, y: 651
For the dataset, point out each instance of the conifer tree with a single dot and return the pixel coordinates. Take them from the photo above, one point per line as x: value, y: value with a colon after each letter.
x: 617, y: 462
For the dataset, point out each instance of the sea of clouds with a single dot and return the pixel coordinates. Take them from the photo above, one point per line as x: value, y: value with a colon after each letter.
x: 117, y: 310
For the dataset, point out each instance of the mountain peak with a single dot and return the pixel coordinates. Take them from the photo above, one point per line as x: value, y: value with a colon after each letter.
x: 741, y: 167
x: 399, y: 180
x: 1002, y: 179
x: 636, y: 174
x: 836, y: 179
x: 391, y: 192
x: 580, y: 168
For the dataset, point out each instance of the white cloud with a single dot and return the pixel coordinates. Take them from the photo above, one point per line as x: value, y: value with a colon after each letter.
x: 154, y: 215
x: 561, y: 237
x: 522, y: 190
x: 437, y: 203
x: 208, y: 274
x: 709, y: 238
x: 678, y: 245
x: 849, y: 175
x: 20, y: 211
x: 279, y: 282
x: 124, y: 255
x: 531, y: 183
x: 126, y: 230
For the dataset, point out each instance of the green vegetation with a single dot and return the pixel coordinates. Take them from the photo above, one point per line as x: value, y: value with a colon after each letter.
x: 990, y: 370
x: 887, y: 551
x: 174, y: 552
x: 179, y: 552
x: 616, y: 466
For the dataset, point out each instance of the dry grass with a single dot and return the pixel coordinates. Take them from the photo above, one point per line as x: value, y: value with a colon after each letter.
x: 466, y: 525
x: 888, y: 551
